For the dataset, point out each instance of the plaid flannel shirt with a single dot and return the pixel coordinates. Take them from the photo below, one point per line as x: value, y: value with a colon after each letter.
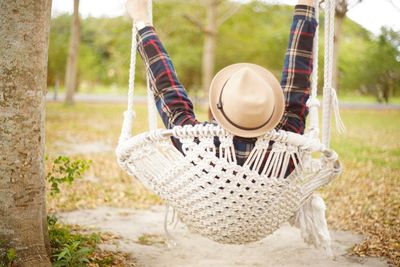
x: 176, y: 108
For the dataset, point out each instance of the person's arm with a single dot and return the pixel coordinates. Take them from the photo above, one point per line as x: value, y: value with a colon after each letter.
x: 298, y: 67
x: 171, y: 98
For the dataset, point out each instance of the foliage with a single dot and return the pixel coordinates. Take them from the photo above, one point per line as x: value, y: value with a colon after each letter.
x: 354, y: 46
x: 257, y: 33
x: 72, y: 255
x: 381, y: 72
x: 7, y: 256
x: 64, y: 170
x: 70, y: 248
x: 11, y: 255
x: 58, y: 47
x: 62, y: 236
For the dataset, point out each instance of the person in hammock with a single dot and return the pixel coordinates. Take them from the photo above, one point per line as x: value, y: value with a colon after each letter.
x: 245, y: 99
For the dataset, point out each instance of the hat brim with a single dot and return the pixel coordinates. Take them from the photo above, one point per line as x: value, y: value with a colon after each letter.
x: 215, y: 90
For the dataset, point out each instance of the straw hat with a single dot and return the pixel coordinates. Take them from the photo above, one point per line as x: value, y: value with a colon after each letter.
x: 246, y: 100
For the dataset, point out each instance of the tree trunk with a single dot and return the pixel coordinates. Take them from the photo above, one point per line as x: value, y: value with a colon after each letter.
x: 24, y: 30
x: 336, y: 51
x: 71, y: 74
x: 56, y: 87
x: 341, y: 10
x: 210, y: 39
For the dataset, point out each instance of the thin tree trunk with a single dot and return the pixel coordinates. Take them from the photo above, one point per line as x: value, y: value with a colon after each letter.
x: 210, y: 31
x: 56, y: 87
x: 335, y: 68
x: 24, y: 30
x: 210, y: 39
x: 341, y: 10
x: 72, y: 62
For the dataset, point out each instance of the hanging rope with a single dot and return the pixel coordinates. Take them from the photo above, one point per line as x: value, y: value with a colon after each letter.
x: 129, y: 114
x: 151, y: 106
x: 329, y: 93
x: 313, y: 103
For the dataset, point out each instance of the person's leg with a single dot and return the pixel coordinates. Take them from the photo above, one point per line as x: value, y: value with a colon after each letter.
x: 170, y: 95
x: 298, y: 67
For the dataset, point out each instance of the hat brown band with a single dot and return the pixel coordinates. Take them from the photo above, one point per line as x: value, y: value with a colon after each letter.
x: 220, y: 107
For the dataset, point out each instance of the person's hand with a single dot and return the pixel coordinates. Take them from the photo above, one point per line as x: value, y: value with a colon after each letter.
x: 306, y: 2
x: 138, y: 10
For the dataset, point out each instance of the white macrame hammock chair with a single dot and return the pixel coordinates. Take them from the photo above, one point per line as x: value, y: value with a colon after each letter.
x: 215, y: 197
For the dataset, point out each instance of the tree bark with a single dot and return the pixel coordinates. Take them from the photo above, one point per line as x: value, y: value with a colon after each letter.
x: 24, y: 31
x: 210, y: 40
x: 71, y: 82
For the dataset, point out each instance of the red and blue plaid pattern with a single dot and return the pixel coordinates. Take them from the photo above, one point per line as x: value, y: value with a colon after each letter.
x: 176, y: 108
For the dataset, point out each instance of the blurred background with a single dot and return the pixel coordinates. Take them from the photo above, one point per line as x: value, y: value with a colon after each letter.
x: 367, y: 43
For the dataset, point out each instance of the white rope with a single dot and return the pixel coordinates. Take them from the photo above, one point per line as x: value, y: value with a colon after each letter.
x: 329, y: 93
x: 326, y: 103
x: 313, y: 102
x: 129, y: 114
x: 310, y: 219
x: 171, y: 243
x: 341, y: 128
x: 151, y: 106
x: 314, y: 76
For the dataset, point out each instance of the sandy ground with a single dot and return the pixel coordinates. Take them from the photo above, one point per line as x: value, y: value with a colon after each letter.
x: 284, y: 248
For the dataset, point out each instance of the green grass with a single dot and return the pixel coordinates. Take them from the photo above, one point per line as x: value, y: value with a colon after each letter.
x: 73, y: 246
x: 365, y: 199
x: 367, y: 99
x: 372, y: 136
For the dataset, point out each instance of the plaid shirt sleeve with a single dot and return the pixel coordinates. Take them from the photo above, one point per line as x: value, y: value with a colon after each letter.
x: 171, y: 98
x: 297, y: 69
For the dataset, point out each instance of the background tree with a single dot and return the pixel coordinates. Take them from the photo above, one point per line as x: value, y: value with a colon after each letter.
x: 341, y: 10
x: 24, y: 27
x: 257, y: 33
x: 71, y: 75
x: 381, y: 68
x: 210, y: 30
x: 342, y: 6
x: 210, y: 36
x: 58, y: 49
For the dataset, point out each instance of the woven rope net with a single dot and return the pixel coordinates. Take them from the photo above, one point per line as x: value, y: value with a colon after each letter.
x: 216, y: 197
x: 226, y: 202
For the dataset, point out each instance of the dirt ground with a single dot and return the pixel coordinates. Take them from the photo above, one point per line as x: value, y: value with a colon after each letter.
x: 141, y: 234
